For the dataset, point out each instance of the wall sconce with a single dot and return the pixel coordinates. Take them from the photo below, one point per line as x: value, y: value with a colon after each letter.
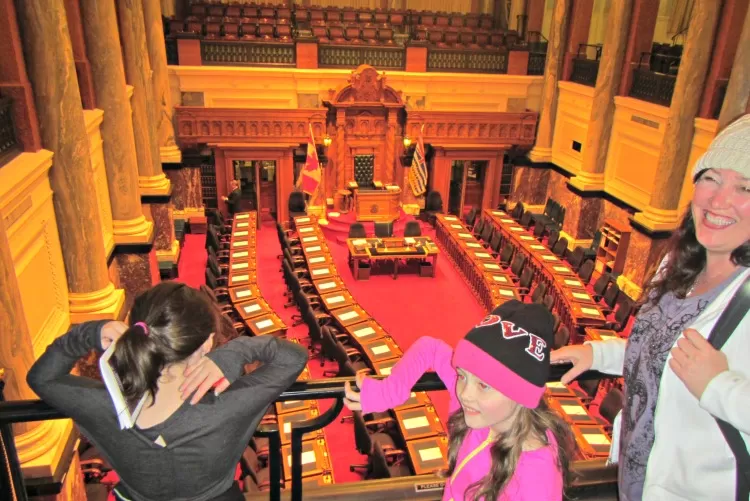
x: 407, y: 142
x: 327, y: 141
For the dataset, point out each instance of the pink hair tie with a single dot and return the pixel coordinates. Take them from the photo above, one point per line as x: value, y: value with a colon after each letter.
x: 143, y: 326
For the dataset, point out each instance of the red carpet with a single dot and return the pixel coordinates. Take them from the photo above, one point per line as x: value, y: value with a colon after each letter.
x: 407, y: 308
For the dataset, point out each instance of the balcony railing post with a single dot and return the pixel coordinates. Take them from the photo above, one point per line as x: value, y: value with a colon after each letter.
x: 12, y: 486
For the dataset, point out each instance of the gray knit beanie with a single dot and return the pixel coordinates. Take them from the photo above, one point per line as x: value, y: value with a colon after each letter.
x: 729, y: 150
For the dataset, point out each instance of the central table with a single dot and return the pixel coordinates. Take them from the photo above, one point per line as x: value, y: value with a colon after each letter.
x: 391, y: 249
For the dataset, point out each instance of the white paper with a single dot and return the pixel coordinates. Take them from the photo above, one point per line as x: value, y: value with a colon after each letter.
x: 359, y: 241
x: 335, y: 299
x: 312, y: 248
x: 302, y: 220
x: 242, y: 225
x: 313, y: 238
x: 379, y: 350
x: 507, y: 220
x: 263, y: 324
x: 386, y: 371
x: 498, y: 213
x: 240, y: 243
x: 590, y: 311
x: 287, y: 428
x: 500, y: 278
x: 241, y: 216
x: 516, y: 228
x: 251, y: 308
x: 572, y: 282
x: 307, y: 457
x: 327, y: 285
x: 561, y: 269
x: 239, y: 234
x: 555, y: 384
x: 306, y: 229
x: 482, y: 254
x: 240, y: 254
x: 416, y: 422
x: 473, y: 244
x: 320, y: 271
x: 409, y: 241
x: 458, y: 226
x: 579, y: 295
x: 450, y: 218
x: 596, y: 438
x: 465, y: 235
x: 506, y: 292
x: 240, y: 266
x: 492, y: 266
x: 550, y: 258
x: 526, y: 237
x: 365, y: 331
x: 537, y: 247
x: 348, y: 315
x: 240, y: 278
x: 246, y: 293
x: 317, y: 259
x: 574, y: 410
x: 430, y: 454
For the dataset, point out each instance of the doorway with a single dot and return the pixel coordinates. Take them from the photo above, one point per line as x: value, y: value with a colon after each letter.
x: 466, y: 185
x: 258, y: 186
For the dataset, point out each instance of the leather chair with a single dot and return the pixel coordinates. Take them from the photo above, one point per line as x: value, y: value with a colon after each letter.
x: 357, y: 230
x: 586, y: 270
x: 297, y: 205
x: 384, y: 230
x: 562, y: 337
x: 433, y: 204
x: 412, y: 229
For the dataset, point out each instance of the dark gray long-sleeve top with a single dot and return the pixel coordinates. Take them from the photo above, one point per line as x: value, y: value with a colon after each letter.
x: 204, y: 442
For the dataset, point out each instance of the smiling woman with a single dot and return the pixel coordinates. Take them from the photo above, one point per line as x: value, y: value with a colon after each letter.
x: 676, y: 384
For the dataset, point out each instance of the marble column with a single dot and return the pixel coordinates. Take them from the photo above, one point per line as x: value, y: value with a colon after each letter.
x: 155, y: 187
x: 169, y: 152
x: 516, y: 15
x: 542, y: 151
x: 640, y: 38
x: 83, y: 68
x: 105, y: 55
x: 341, y: 150
x: 738, y: 90
x: 49, y: 61
x: 662, y: 214
x: 591, y: 176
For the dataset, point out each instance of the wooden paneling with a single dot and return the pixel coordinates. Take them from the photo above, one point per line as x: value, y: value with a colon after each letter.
x: 93, y: 123
x: 473, y: 129
x: 571, y: 125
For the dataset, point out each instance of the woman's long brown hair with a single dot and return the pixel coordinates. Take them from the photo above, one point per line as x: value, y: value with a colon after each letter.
x: 506, y: 450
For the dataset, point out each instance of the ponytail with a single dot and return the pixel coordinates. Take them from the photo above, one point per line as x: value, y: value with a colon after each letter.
x: 138, y: 362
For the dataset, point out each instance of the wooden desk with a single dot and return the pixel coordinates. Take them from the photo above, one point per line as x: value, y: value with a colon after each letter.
x: 315, y: 459
x: 241, y: 255
x: 286, y: 420
x: 315, y: 249
x: 579, y: 296
x: 428, y: 455
x: 558, y: 390
x: 419, y: 422
x: 416, y: 399
x: 381, y: 349
x: 322, y: 271
x: 336, y: 300
x: 391, y: 249
x: 242, y: 278
x: 238, y: 266
x: 350, y: 315
x: 267, y: 324
x: 253, y: 308
x: 377, y: 205
x: 318, y: 259
x: 327, y: 285
x: 366, y: 331
x: 289, y: 406
x: 303, y: 220
x: 384, y: 368
x: 498, y: 278
x: 244, y: 293
x: 584, y: 314
x: 304, y: 231
x: 502, y: 294
x: 311, y: 239
x: 593, y: 334
x: 572, y: 410
x: 592, y: 441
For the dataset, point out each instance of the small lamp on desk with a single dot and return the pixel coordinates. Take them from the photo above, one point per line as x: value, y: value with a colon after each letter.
x: 408, y: 154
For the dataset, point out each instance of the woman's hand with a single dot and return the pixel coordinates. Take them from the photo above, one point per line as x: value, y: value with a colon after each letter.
x: 696, y: 362
x: 352, y: 398
x: 200, y: 378
x: 580, y: 355
x: 111, y: 332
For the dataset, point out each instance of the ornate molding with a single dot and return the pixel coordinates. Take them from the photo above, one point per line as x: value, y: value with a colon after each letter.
x: 476, y: 128
x: 197, y: 124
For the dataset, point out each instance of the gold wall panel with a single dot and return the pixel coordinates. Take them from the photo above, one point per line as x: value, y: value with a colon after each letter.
x: 93, y: 120
x: 27, y: 209
x: 632, y: 158
x: 705, y: 131
x: 571, y: 124
x: 237, y: 87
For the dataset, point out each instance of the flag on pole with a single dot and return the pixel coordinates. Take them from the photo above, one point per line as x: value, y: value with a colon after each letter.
x: 418, y: 171
x: 309, y: 178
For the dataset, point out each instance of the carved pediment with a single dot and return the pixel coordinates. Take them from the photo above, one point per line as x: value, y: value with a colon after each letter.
x: 366, y: 86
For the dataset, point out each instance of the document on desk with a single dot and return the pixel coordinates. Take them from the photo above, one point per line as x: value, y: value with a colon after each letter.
x: 574, y: 410
x: 239, y: 234
x: 430, y: 454
x: 240, y: 266
x: 596, y: 438
x: 313, y: 248
x: 364, y: 331
x: 310, y: 239
x: 239, y: 254
x: 348, y: 315
x: 320, y: 271
x: 240, y: 278
x: 327, y: 285
x: 245, y: 293
x: 335, y: 299
x: 240, y: 243
x: 264, y: 324
x: 416, y: 422
x: 251, y: 308
x: 305, y: 229
x: 317, y: 259
x: 380, y: 349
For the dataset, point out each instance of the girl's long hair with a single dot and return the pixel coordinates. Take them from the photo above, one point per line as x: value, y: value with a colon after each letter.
x: 686, y: 260
x: 179, y: 320
x: 507, y: 449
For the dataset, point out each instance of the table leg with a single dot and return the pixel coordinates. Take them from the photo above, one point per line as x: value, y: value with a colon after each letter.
x: 434, y: 265
x: 395, y: 269
x: 356, y: 268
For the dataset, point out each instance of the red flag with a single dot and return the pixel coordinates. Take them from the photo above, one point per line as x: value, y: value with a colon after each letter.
x: 309, y: 178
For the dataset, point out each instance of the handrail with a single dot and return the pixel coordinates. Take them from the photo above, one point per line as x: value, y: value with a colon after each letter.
x: 23, y: 411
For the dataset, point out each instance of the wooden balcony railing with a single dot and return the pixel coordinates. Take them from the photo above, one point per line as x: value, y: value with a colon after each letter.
x: 9, y: 146
x: 652, y: 87
x: 338, y: 56
x: 536, y: 63
x: 585, y: 71
x: 467, y: 61
x: 235, y: 53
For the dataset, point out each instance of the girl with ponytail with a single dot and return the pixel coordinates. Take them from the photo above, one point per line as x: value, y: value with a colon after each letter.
x: 186, y: 441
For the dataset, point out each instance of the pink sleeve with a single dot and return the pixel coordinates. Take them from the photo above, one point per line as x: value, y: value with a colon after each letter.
x: 537, y: 478
x: 427, y: 353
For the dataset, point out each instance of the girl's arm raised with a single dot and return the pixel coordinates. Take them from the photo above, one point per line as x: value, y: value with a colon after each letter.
x: 427, y: 353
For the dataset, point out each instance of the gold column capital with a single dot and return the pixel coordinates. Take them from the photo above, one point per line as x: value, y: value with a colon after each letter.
x: 170, y: 154
x: 102, y: 304
x: 158, y: 185
x: 133, y: 231
x: 656, y: 220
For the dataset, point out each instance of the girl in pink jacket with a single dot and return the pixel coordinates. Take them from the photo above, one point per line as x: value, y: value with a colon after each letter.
x: 505, y: 443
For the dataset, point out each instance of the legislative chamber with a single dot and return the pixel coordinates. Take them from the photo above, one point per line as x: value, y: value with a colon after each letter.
x: 349, y: 176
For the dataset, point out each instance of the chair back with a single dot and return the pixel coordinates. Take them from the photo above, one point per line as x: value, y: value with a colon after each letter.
x: 507, y: 253
x: 434, y: 201
x: 486, y: 234
x: 562, y: 337
x: 612, y: 404
x: 538, y: 295
x: 518, y: 261
x: 211, y: 279
x: 526, y: 276
x: 357, y: 230
x: 471, y: 217
x: 560, y: 247
x: 296, y: 202
x: 596, y: 241
x: 624, y: 310
x: 611, y: 294
x: 586, y: 270
x: 601, y: 283
x: 496, y: 242
x: 526, y: 219
x: 548, y: 301
x: 214, y: 265
x: 539, y: 230
x: 383, y: 229
x: 576, y: 258
x: 479, y: 227
x: 554, y: 236
x: 412, y: 229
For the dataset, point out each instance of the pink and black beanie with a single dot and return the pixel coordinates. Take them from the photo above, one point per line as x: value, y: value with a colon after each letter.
x: 509, y: 350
